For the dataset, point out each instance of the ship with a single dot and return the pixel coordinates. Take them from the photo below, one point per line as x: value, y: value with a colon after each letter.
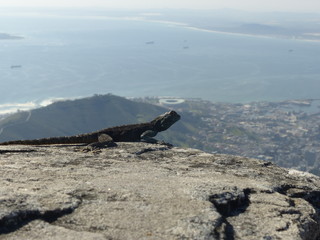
x: 16, y: 66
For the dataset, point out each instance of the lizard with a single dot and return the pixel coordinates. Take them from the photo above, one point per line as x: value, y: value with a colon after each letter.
x: 108, y: 136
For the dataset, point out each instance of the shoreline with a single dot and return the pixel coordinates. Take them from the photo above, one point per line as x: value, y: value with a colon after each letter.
x: 252, y: 35
x: 194, y: 28
x: 189, y: 26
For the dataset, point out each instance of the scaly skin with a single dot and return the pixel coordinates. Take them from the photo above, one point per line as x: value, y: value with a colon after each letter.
x: 125, y: 133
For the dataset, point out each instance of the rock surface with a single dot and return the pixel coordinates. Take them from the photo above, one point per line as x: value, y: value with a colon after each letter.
x: 145, y: 191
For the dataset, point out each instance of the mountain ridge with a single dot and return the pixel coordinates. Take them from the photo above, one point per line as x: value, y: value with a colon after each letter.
x: 72, y: 117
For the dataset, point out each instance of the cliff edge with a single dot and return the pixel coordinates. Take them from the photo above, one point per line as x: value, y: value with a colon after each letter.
x: 146, y: 191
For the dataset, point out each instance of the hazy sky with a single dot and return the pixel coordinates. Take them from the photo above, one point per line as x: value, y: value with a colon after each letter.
x: 276, y: 5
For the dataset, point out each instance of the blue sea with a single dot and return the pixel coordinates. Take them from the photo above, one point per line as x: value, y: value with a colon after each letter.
x: 70, y: 57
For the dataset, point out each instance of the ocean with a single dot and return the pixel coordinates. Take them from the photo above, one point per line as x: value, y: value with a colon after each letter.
x: 71, y: 57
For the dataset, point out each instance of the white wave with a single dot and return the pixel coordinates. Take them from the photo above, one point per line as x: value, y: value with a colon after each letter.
x: 14, y: 107
x: 49, y: 101
x: 8, y: 108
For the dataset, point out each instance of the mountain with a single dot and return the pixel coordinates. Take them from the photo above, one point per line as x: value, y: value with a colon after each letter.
x: 70, y: 117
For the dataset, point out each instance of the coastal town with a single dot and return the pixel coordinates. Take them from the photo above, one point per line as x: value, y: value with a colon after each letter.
x: 286, y: 133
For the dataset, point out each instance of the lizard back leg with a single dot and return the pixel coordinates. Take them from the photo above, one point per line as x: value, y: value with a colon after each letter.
x: 104, y: 140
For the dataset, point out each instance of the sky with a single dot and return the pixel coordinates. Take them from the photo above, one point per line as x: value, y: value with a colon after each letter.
x: 252, y: 5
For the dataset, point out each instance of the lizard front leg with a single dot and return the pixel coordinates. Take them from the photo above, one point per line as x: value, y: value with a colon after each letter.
x: 147, y: 136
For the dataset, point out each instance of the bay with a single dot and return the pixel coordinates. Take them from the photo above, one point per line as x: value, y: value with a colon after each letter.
x: 69, y: 57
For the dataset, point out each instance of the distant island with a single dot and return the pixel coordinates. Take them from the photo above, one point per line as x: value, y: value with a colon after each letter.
x: 5, y: 36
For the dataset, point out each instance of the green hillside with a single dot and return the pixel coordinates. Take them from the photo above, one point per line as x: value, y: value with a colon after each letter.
x: 72, y: 117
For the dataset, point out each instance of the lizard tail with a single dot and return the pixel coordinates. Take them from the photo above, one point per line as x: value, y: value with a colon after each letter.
x: 46, y: 141
x: 18, y: 142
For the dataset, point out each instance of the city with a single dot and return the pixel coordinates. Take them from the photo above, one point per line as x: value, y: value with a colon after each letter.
x: 286, y: 133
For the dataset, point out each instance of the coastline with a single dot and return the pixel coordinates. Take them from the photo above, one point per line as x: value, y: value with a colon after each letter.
x: 145, y: 18
x: 253, y: 35
x: 195, y: 28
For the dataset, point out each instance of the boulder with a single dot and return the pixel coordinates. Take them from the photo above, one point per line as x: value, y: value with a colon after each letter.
x: 150, y: 191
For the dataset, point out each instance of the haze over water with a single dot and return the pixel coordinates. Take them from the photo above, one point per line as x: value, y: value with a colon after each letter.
x: 78, y: 57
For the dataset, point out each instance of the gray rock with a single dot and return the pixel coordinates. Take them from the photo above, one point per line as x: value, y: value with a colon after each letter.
x: 145, y: 191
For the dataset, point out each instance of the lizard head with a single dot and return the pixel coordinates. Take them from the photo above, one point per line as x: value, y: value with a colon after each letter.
x: 166, y: 120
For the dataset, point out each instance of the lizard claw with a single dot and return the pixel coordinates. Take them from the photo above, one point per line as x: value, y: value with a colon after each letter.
x: 99, y: 145
x: 165, y: 143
